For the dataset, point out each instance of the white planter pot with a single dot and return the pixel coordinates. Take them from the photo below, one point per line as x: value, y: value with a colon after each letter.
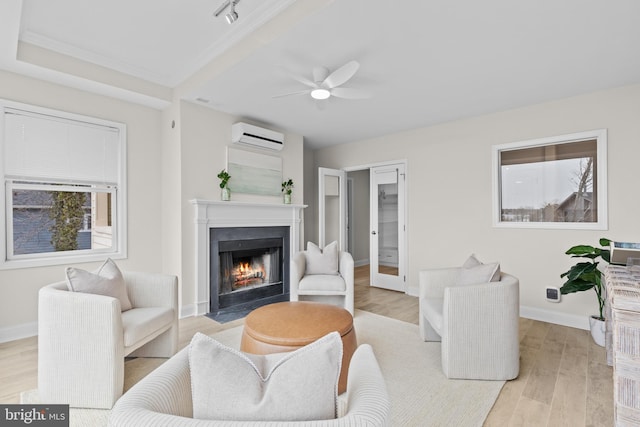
x: 597, y: 327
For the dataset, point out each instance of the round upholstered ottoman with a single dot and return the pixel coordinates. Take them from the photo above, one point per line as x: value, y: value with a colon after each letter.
x: 287, y: 326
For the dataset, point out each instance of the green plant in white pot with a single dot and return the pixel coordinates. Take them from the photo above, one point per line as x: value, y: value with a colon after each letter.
x: 585, y: 275
x: 287, y: 188
x: 224, y: 182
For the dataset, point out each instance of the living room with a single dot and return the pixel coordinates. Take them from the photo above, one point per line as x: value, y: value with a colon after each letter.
x: 176, y: 147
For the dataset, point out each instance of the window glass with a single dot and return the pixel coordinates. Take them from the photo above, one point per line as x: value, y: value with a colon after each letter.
x: 553, y: 182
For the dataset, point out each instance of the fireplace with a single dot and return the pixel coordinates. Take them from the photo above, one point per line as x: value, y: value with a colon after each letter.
x: 249, y: 267
x: 217, y: 215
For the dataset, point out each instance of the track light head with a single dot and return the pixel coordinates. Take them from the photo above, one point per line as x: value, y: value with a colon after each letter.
x: 232, y: 16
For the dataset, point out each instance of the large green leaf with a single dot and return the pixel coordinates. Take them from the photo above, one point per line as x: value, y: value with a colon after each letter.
x: 581, y: 269
x: 577, y: 285
x: 581, y: 250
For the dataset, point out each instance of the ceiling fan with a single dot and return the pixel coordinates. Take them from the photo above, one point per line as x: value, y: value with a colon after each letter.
x: 325, y: 84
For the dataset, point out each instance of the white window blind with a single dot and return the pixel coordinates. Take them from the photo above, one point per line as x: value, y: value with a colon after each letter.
x: 38, y: 146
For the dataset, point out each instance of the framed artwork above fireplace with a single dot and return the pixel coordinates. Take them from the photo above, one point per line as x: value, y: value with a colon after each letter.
x: 254, y: 173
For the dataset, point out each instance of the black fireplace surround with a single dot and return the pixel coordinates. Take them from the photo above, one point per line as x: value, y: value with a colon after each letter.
x: 249, y: 267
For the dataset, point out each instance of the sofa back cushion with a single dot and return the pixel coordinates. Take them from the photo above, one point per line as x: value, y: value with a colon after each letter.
x: 302, y: 385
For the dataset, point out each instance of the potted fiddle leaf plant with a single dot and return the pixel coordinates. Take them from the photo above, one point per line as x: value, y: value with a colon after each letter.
x: 287, y: 188
x: 584, y: 276
x: 224, y: 182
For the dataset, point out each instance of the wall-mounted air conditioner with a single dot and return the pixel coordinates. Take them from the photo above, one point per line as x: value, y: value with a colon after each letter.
x: 244, y: 133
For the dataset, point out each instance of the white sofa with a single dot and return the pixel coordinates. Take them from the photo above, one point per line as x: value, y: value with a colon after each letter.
x: 477, y: 324
x: 326, y: 288
x: 83, y: 338
x: 163, y: 398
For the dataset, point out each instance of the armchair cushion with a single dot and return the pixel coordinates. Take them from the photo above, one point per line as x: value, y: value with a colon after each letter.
x: 248, y: 387
x: 322, y: 282
x: 107, y: 280
x: 139, y: 323
x: 322, y: 261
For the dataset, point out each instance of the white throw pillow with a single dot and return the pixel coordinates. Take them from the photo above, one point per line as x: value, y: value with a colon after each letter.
x: 107, y: 280
x: 321, y: 261
x: 472, y: 261
x: 474, y: 272
x: 302, y: 385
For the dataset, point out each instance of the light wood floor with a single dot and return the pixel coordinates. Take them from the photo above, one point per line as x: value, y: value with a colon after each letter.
x: 564, y: 379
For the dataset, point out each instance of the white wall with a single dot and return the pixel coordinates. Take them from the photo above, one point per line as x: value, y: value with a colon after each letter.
x: 19, y: 288
x: 449, y: 192
x: 205, y: 136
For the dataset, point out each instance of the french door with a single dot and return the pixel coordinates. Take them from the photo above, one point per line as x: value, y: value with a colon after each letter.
x: 387, y: 222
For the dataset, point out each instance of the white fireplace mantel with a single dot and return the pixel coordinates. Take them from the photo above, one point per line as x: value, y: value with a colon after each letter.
x: 215, y: 214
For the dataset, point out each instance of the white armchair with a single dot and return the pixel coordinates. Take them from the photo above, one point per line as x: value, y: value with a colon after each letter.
x: 83, y: 338
x: 477, y: 324
x: 327, y: 288
x: 163, y: 398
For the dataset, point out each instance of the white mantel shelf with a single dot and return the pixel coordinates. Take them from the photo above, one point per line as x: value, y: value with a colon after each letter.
x: 215, y: 213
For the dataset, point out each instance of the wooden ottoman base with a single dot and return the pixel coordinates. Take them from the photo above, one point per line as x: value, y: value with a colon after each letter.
x: 287, y: 326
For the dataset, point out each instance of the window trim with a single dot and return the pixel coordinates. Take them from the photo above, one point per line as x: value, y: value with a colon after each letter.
x: 600, y: 135
x: 52, y: 258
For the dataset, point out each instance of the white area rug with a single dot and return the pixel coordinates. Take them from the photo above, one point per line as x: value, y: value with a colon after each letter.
x: 420, y: 393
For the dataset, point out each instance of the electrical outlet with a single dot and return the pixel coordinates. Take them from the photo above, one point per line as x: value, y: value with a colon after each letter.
x: 553, y: 294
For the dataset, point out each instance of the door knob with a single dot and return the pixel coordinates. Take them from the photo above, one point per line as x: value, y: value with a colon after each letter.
x: 373, y: 232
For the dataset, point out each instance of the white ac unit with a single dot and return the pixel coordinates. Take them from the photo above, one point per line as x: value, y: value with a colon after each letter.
x: 244, y: 133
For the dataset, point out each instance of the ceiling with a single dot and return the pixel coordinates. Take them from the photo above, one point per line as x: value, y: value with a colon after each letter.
x: 424, y: 62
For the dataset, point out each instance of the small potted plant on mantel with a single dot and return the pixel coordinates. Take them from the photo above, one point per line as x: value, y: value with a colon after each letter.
x: 224, y: 181
x: 287, y: 188
x: 586, y: 275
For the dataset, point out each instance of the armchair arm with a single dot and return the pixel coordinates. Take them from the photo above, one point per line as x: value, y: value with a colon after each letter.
x: 434, y: 281
x: 298, y: 267
x: 79, y: 340
x: 482, y: 320
x: 345, y: 268
x: 152, y: 289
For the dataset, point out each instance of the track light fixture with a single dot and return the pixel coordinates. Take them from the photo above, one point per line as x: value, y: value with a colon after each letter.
x: 232, y: 16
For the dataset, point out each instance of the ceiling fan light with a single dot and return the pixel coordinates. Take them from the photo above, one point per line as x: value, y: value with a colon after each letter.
x: 320, y: 93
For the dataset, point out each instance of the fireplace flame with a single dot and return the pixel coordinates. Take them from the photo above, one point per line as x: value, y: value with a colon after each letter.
x: 246, y: 274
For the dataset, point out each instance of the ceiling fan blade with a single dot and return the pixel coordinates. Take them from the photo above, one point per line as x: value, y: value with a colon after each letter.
x: 341, y: 75
x: 305, y: 81
x: 350, y: 93
x: 300, y: 92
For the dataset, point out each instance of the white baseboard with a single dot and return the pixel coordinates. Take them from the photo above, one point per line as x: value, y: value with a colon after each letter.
x: 361, y: 262
x: 18, y: 332
x: 550, y: 316
x: 189, y: 310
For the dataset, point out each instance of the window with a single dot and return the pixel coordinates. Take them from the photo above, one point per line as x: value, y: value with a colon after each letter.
x: 557, y: 182
x: 64, y: 187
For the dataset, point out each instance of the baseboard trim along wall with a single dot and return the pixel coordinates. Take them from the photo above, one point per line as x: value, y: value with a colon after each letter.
x: 549, y: 316
x: 18, y: 332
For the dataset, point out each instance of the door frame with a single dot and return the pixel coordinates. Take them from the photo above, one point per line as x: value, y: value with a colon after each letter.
x: 368, y: 166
